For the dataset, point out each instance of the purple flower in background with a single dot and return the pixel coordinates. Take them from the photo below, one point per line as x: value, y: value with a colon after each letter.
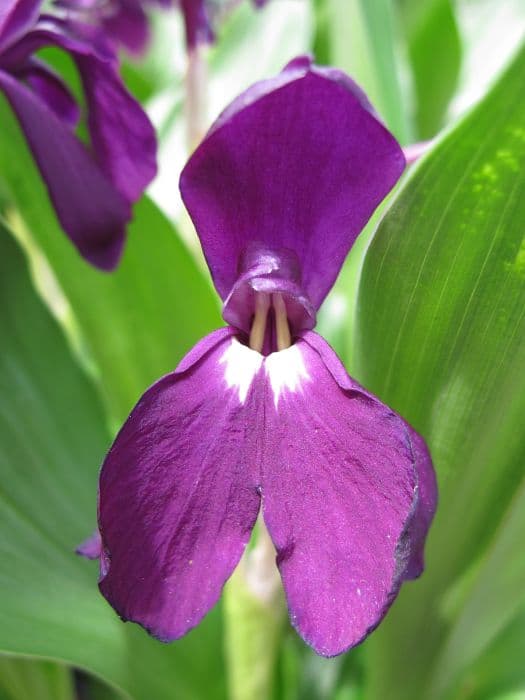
x: 124, y: 22
x: 199, y: 18
x: 262, y: 414
x: 198, y: 26
x: 91, y: 189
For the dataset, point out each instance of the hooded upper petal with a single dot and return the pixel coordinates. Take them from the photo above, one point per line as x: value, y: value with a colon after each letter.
x: 178, y: 490
x: 297, y: 162
x: 339, y: 493
x: 90, y: 209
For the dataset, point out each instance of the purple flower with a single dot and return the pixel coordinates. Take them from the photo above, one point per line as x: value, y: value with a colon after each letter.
x: 124, y: 22
x: 91, y: 189
x: 199, y: 19
x: 262, y: 414
x: 197, y: 22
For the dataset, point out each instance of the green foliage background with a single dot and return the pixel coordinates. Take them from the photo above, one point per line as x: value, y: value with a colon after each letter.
x: 429, y: 313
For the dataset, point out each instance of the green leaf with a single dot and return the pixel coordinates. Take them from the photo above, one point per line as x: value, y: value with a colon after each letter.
x: 493, y: 601
x: 435, y: 56
x: 362, y: 40
x: 24, y: 679
x: 137, y: 322
x: 439, y: 337
x: 500, y: 669
x: 52, y: 440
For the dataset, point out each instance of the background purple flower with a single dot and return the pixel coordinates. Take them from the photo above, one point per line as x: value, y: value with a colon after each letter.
x: 262, y: 414
x: 91, y: 188
x: 125, y: 22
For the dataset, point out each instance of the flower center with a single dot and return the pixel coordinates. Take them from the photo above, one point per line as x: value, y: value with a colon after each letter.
x: 263, y: 303
x: 267, y: 301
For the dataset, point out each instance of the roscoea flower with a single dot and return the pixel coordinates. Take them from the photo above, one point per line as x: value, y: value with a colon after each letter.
x: 262, y: 414
x: 92, y: 189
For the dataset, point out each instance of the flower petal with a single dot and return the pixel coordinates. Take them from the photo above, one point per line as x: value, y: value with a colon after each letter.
x: 122, y: 137
x: 426, y: 476
x: 129, y: 26
x: 50, y: 87
x: 298, y: 162
x: 178, y: 489
x: 91, y: 211
x: 16, y: 16
x: 339, y: 490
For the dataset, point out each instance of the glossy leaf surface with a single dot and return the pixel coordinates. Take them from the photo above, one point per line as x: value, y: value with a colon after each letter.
x: 440, y: 337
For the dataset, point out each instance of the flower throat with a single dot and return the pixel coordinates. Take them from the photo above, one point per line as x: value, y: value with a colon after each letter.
x: 269, y: 331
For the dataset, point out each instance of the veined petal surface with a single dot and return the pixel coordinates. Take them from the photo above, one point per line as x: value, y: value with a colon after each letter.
x: 298, y: 162
x: 340, y: 491
x: 178, y: 489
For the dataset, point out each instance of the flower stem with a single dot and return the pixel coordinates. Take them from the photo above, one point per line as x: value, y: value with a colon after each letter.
x: 253, y: 598
x: 254, y: 612
x: 196, y: 96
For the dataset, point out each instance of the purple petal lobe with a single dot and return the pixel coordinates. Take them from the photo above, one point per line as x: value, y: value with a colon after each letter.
x: 91, y: 211
x: 178, y: 489
x: 52, y: 90
x: 91, y: 548
x: 297, y: 162
x: 16, y: 16
x: 339, y: 490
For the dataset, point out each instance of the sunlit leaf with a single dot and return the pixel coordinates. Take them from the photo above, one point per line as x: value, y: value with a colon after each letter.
x: 434, y: 48
x: 439, y: 336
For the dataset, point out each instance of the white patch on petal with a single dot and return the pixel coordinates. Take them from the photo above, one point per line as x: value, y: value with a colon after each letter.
x: 286, y: 370
x: 242, y: 364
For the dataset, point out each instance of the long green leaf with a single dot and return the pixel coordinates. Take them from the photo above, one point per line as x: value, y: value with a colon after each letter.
x: 434, y: 49
x: 500, y: 669
x: 440, y: 337
x: 52, y: 440
x: 25, y: 679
